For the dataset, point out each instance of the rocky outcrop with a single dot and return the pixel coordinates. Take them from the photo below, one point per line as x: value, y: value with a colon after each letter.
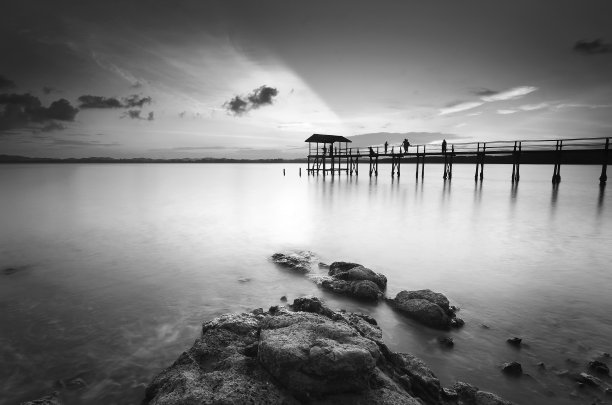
x: 354, y: 280
x: 298, y: 261
x: 52, y: 399
x: 356, y: 272
x: 306, y: 353
x: 428, y: 307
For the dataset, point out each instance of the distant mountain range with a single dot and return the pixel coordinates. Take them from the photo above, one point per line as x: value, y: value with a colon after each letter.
x: 394, y: 138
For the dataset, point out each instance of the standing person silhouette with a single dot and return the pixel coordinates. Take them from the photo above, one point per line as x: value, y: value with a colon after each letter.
x: 444, y: 146
x: 406, y: 145
x: 386, y: 146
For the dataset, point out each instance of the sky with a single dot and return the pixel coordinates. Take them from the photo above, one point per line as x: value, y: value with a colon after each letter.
x: 246, y: 79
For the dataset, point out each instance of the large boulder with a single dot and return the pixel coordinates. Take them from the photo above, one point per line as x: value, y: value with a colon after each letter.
x: 356, y: 272
x: 354, y: 280
x: 362, y: 289
x: 427, y: 307
x: 314, y: 355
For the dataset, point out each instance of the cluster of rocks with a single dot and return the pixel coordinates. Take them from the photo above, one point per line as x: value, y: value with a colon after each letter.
x: 303, y: 353
x: 353, y: 279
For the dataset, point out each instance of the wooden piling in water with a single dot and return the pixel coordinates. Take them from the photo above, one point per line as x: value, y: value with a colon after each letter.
x: 417, y: 162
x: 477, y: 154
x: 604, y: 166
x: 423, y: 164
x: 556, y: 178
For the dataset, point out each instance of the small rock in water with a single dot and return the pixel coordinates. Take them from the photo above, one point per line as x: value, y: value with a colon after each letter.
x: 608, y: 391
x: 562, y: 373
x: 588, y: 379
x: 456, y: 322
x: 542, y: 366
x: 513, y: 368
x: 283, y: 298
x: 599, y: 367
x: 244, y: 279
x: 446, y: 341
x: 483, y: 326
x: 606, y: 354
x: 515, y: 341
x: 323, y: 265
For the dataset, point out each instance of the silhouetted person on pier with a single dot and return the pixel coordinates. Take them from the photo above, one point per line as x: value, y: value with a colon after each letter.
x: 444, y: 146
x: 324, y: 150
x: 371, y: 151
x: 386, y: 146
x: 392, y: 148
x: 406, y: 145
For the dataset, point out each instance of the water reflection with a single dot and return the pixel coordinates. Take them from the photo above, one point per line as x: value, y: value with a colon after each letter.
x: 600, y: 199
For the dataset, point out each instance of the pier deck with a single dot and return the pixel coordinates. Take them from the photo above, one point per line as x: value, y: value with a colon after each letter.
x: 326, y: 159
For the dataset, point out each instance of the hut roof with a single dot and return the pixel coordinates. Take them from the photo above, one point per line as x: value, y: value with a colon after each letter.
x: 327, y: 138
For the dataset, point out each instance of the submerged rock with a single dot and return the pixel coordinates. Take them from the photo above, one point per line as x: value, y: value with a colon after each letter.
x: 513, y: 368
x: 52, y: 399
x: 515, y: 341
x: 311, y: 354
x: 599, y: 367
x: 428, y: 307
x: 299, y: 261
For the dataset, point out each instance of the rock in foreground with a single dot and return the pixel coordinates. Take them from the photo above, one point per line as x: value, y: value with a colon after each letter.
x: 291, y: 357
x: 428, y: 307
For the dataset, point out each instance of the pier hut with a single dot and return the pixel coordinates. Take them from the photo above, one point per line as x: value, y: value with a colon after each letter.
x: 329, y: 153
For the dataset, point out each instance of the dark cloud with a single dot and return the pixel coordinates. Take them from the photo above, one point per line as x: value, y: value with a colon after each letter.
x: 89, y: 101
x: 484, y: 92
x: 136, y: 101
x: 53, y: 126
x: 133, y: 101
x: 236, y: 106
x: 19, y: 110
x: 61, y: 110
x: 6, y: 84
x: 261, y: 96
x: 135, y: 115
x: 592, y: 47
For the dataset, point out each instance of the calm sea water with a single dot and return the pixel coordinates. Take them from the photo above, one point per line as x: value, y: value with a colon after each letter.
x: 118, y: 265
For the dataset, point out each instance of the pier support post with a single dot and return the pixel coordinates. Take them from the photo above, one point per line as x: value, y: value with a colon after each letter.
x: 450, y: 163
x: 556, y: 178
x: 417, y: 162
x: 482, y: 158
x: 516, y: 162
x: 395, y: 165
x: 423, y: 164
x: 445, y: 175
x: 477, y: 162
x: 604, y: 177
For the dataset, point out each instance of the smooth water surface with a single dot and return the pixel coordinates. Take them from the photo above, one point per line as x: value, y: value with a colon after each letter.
x: 108, y: 270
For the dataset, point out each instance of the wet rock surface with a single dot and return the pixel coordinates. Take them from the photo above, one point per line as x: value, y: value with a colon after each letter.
x: 355, y: 280
x: 427, y: 307
x: 306, y: 353
x: 298, y: 261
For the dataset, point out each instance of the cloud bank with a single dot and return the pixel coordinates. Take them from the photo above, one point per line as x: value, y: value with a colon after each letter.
x: 592, y: 47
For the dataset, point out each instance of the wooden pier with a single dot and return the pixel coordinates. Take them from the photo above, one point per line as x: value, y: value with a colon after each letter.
x: 331, y: 155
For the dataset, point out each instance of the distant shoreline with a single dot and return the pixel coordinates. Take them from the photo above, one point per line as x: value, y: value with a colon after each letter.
x: 575, y: 157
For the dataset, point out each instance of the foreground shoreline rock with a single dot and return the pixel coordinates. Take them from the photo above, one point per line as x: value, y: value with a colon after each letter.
x: 303, y: 353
